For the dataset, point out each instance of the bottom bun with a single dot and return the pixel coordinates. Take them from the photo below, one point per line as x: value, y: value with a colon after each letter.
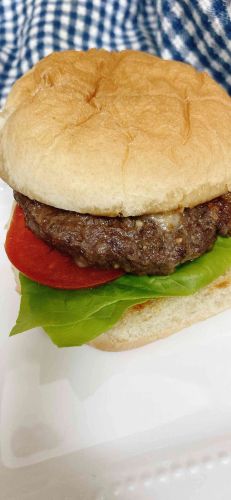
x: 159, y: 318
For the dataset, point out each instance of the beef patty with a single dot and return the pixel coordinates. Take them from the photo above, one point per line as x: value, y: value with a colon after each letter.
x: 150, y: 244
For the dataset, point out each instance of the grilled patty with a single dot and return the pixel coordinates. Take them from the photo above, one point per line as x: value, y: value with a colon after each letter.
x: 151, y: 244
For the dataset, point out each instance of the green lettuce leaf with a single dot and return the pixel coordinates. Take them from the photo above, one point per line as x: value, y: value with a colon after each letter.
x: 74, y: 317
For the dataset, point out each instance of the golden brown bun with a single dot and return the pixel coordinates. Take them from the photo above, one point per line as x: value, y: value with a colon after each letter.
x: 116, y: 133
x: 161, y: 317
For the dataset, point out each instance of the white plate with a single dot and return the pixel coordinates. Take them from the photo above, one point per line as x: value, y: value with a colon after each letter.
x: 78, y: 423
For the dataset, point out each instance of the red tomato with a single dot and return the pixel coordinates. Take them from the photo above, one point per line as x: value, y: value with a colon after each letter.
x: 34, y: 258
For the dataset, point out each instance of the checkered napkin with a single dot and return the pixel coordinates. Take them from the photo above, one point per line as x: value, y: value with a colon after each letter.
x: 195, y: 31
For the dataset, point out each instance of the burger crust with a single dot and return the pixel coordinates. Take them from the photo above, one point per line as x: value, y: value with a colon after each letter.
x: 116, y: 134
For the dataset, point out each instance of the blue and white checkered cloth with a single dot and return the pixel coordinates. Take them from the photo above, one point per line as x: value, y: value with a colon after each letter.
x: 195, y: 31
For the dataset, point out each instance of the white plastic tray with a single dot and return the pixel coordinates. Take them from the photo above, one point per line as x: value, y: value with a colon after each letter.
x: 78, y: 423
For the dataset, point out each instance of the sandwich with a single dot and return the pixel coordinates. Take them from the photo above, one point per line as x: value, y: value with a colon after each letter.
x: 120, y: 163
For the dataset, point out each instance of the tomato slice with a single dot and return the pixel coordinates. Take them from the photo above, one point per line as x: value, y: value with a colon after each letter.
x: 38, y: 261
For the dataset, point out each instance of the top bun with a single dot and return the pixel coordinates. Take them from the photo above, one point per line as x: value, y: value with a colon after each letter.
x: 116, y: 134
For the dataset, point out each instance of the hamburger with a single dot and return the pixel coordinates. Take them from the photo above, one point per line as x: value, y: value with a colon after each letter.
x: 121, y: 169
